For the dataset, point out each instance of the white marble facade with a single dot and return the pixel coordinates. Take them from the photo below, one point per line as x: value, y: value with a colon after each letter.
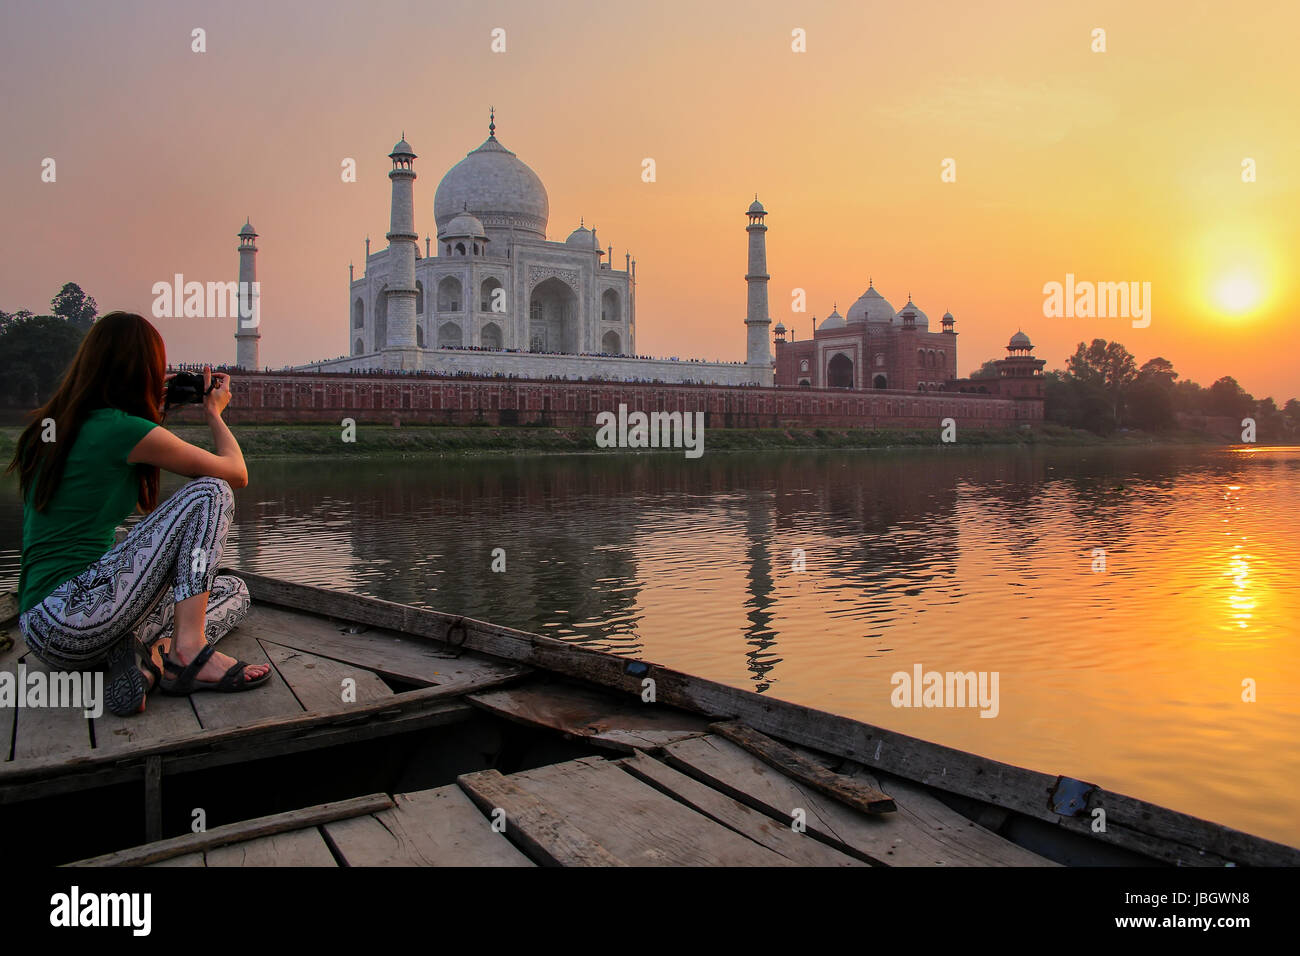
x: 494, y: 296
x: 491, y: 279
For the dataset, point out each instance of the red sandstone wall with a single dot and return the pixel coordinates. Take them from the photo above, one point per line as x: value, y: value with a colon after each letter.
x: 308, y: 396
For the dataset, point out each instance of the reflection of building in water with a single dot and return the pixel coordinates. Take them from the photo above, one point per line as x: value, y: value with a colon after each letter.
x: 759, y: 634
x: 568, y: 571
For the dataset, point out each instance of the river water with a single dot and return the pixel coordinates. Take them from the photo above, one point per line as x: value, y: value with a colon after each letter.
x: 816, y: 576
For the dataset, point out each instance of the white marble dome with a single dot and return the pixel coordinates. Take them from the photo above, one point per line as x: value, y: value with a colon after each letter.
x: 871, y: 307
x: 832, y: 321
x: 466, y: 225
x: 497, y: 187
x: 583, y: 237
x: 1020, y: 341
x: 922, y: 320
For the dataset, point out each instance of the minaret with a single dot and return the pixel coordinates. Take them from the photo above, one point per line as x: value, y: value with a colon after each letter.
x: 248, y: 325
x: 402, y: 240
x: 759, y: 351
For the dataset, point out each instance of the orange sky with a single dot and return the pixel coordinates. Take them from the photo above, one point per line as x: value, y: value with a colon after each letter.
x: 1115, y: 166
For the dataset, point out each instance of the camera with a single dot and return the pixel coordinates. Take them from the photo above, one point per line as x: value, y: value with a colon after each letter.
x: 186, y: 388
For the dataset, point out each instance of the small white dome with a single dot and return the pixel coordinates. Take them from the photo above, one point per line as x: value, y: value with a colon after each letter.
x: 756, y: 208
x: 583, y: 237
x: 1020, y: 341
x: 832, y: 321
x: 919, y: 317
x: 464, y: 226
x: 871, y: 307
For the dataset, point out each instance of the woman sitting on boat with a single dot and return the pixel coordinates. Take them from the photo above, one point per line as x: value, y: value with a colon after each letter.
x: 150, y: 610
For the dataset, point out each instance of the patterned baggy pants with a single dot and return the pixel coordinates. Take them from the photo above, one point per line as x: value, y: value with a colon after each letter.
x: 171, y: 554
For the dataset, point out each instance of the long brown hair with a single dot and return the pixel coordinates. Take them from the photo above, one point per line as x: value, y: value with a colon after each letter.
x: 122, y: 363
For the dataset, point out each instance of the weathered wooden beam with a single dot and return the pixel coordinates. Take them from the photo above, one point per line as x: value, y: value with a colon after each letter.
x: 17, y: 771
x: 1174, y: 837
x: 242, y: 751
x: 854, y: 793
x: 545, y: 835
x: 241, y: 831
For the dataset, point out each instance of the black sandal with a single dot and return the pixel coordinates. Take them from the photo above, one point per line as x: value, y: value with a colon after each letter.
x: 124, y: 689
x: 186, y: 682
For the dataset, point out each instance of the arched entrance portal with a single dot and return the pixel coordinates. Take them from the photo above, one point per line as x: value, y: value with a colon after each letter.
x: 879, y: 382
x: 839, y: 371
x: 553, y: 318
x: 449, y: 336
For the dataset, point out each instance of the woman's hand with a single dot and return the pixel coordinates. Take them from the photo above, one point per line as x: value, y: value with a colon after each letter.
x: 166, y: 450
x: 217, y: 398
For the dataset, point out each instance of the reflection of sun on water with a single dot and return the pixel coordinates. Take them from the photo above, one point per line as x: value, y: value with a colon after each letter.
x: 1241, y: 601
x: 1243, y: 598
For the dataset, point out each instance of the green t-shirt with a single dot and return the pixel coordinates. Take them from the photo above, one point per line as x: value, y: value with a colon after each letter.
x: 98, y: 490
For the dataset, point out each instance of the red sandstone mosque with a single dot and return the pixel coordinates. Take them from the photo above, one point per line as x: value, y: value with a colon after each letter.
x: 876, y: 348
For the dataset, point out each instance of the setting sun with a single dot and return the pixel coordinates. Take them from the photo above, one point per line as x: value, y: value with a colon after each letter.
x: 1237, y: 293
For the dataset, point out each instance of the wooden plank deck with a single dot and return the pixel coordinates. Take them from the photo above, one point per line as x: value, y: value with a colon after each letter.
x: 637, y: 824
x: 163, y: 717
x: 303, y: 681
x: 633, y: 811
x: 48, y: 751
x: 298, y: 848
x: 387, y: 652
x: 439, y: 827
x: 762, y: 829
x: 322, y: 684
x: 48, y: 731
x: 273, y: 699
x: 896, y: 839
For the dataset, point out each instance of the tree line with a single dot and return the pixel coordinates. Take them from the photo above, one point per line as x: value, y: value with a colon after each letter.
x: 36, y: 349
x: 1103, y: 389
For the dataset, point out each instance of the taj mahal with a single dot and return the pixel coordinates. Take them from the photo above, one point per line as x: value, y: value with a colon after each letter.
x: 491, y: 295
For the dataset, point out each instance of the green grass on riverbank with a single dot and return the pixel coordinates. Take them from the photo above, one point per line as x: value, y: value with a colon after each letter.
x: 312, y: 440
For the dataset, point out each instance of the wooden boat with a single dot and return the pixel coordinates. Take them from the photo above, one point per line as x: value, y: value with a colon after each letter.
x: 517, y: 749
